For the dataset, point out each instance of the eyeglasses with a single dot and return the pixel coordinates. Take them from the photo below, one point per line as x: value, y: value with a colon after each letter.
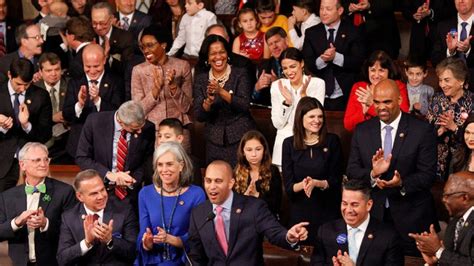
x: 148, y: 46
x: 39, y: 160
x: 447, y: 195
x: 37, y: 37
x: 95, y: 24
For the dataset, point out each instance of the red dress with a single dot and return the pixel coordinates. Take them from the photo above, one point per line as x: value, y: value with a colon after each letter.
x: 354, y: 114
x: 253, y: 47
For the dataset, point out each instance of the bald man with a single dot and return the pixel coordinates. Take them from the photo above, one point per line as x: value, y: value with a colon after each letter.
x: 397, y: 154
x: 457, y: 247
x: 228, y: 229
x: 97, y: 90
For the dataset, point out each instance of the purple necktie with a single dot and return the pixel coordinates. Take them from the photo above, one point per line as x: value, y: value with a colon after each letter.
x: 387, y: 143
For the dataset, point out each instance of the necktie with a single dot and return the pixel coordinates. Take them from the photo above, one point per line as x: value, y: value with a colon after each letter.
x: 457, y: 230
x: 30, y: 190
x: 463, y: 31
x: 122, y: 150
x: 95, y: 217
x: 331, y: 36
x: 125, y: 24
x: 93, y: 82
x: 387, y: 143
x: 220, y: 230
x: 54, y: 102
x: 353, y: 247
x: 329, y: 79
x: 16, y: 107
x: 3, y: 49
x: 358, y: 18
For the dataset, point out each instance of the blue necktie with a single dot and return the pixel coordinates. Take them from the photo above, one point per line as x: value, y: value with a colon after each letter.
x: 387, y: 143
x: 353, y: 247
x: 463, y: 31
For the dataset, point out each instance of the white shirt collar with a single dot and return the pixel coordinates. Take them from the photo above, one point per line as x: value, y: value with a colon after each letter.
x: 336, y: 26
x: 362, y: 227
x: 90, y: 212
x: 469, y: 20
x: 42, y: 182
x: 394, y: 123
x: 129, y: 16
x: 227, y: 205
x: 467, y: 213
x: 81, y: 45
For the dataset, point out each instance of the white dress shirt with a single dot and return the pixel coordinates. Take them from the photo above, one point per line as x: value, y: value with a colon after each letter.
x: 78, y: 108
x: 21, y: 99
x: 359, y: 235
x: 297, y: 41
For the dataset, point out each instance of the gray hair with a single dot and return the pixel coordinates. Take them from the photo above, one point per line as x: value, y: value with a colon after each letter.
x: 28, y: 146
x: 84, y: 176
x: 104, y: 5
x: 131, y: 112
x: 178, y: 151
x: 20, y: 32
x: 217, y: 25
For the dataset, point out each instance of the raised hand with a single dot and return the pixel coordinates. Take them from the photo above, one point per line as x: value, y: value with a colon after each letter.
x: 23, y: 115
x: 94, y: 93
x: 82, y: 95
x: 285, y: 92
x: 103, y: 232
x: 379, y: 164
x: 304, y: 89
x: 364, y: 96
x: 446, y: 120
x: 21, y: 219
x: 263, y: 81
x: 451, y: 42
x: 147, y: 239
x: 297, y: 233
x: 160, y: 237
x: 158, y: 81
x: 396, y: 181
x: 89, y: 225
x: 464, y: 46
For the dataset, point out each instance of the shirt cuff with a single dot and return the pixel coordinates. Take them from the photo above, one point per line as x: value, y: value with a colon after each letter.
x: 78, y: 110
x: 320, y: 64
x: 439, y: 253
x: 14, y: 226
x: 448, y: 54
x: 292, y: 245
x: 27, y: 129
x: 63, y: 47
x: 373, y: 183
x: 45, y: 227
x: 84, y: 248
x: 338, y: 59
x: 97, y: 105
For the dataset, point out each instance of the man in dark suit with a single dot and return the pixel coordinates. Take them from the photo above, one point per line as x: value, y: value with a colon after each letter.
x: 79, y: 33
x: 29, y: 38
x: 349, y: 240
x: 96, y: 231
x: 99, y: 149
x: 401, y: 174
x: 131, y: 20
x: 98, y: 90
x: 30, y: 213
x: 7, y: 27
x: 458, y: 245
x: 333, y: 51
x: 229, y: 227
x: 25, y: 115
x: 117, y: 43
x: 53, y: 82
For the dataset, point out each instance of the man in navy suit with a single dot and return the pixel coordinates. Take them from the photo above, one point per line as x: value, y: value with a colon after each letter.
x: 79, y: 33
x: 96, y: 91
x: 347, y: 241
x: 25, y: 115
x: 228, y: 229
x: 98, y: 146
x: 132, y: 20
x: 397, y: 154
x: 96, y: 231
x: 333, y: 51
x: 30, y: 213
x: 458, y: 245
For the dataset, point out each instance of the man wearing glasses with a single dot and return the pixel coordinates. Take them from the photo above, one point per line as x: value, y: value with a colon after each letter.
x: 458, y: 245
x: 117, y: 145
x: 30, y: 214
x: 25, y: 115
x: 29, y: 38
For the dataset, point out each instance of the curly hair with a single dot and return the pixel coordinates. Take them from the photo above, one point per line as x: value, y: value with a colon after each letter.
x: 242, y: 170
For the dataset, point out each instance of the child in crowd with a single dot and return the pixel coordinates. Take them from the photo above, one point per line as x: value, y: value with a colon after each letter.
x: 192, y: 27
x: 269, y: 18
x: 303, y: 14
x: 419, y: 94
x: 55, y: 21
x: 251, y: 42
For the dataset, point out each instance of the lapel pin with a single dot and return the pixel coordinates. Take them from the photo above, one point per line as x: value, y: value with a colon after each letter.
x: 325, y: 149
x: 466, y: 224
x: 135, y: 135
x: 115, y: 41
x: 341, y: 239
x: 343, y: 35
x: 238, y: 211
x: 63, y: 94
x: 181, y: 202
x: 9, y: 27
x: 370, y: 236
x: 402, y: 135
x: 134, y: 21
x: 28, y: 101
x: 106, y: 85
x: 83, y: 216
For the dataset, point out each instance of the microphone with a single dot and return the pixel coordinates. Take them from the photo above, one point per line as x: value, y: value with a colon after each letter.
x: 210, y: 216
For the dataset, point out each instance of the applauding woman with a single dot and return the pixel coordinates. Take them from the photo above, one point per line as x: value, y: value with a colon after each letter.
x: 254, y: 174
x: 312, y: 168
x: 287, y: 92
x: 165, y: 208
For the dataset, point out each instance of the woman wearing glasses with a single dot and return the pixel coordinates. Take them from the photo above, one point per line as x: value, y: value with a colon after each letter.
x: 162, y: 84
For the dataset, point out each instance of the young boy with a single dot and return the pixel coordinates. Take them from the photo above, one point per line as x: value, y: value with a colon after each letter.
x: 269, y: 18
x: 192, y: 27
x: 419, y: 94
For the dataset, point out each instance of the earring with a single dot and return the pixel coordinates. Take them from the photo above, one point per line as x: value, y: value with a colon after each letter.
x: 228, y: 60
x: 206, y: 63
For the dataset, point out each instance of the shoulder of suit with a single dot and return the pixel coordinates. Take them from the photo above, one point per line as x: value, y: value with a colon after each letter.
x: 58, y: 184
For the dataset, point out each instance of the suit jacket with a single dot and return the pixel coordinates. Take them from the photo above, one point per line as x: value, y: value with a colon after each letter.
x: 111, y: 91
x: 414, y: 156
x: 95, y: 147
x: 139, y: 21
x: 76, y: 66
x: 7, y: 60
x: 464, y: 252
x: 40, y: 110
x: 347, y: 42
x: 121, y: 50
x: 13, y: 203
x: 124, y: 235
x: 250, y: 221
x: 10, y: 35
x: 381, y: 239
x: 62, y: 91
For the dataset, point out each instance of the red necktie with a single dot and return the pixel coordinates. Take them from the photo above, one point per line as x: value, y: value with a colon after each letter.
x: 358, y: 18
x: 427, y: 27
x: 122, y: 150
x: 220, y: 230
x: 3, y: 49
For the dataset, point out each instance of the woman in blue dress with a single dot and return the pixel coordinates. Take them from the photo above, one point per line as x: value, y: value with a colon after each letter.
x: 165, y: 207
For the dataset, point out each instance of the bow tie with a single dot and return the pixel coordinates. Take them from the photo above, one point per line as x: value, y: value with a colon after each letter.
x: 29, y: 190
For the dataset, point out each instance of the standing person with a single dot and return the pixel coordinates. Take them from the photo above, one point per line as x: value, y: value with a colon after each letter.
x: 96, y: 231
x: 255, y: 175
x: 396, y: 152
x: 419, y: 93
x: 30, y: 214
x: 162, y: 84
x: 312, y: 168
x: 222, y: 100
x: 303, y: 15
x: 251, y: 41
x: 165, y: 208
x: 8, y: 27
x: 79, y: 33
x: 130, y: 19
x: 229, y: 227
x: 287, y: 92
x: 25, y: 115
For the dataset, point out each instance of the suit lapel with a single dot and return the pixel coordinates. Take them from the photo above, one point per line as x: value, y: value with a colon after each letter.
x: 45, y: 198
x: 466, y: 227
x: 62, y: 92
x: 235, y: 213
x: 109, y: 141
x: 366, y: 241
x: 6, y: 99
x: 449, y: 235
x: 209, y: 231
x: 341, y: 230
x: 341, y: 36
x: 400, y: 137
x: 375, y: 135
x: 134, y: 144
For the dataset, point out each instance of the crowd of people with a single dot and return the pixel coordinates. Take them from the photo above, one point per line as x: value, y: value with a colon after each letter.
x: 115, y: 87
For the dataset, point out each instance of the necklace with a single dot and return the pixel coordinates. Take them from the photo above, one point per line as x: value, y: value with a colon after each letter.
x: 311, y: 142
x: 170, y: 191
x: 223, y: 78
x: 166, y: 252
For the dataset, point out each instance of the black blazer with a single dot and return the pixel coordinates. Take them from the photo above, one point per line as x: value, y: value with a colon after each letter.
x: 124, y: 237
x: 414, y: 156
x: 121, y: 50
x: 12, y: 46
x: 40, y: 110
x: 250, y: 221
x: 380, y: 245
x: 464, y: 252
x: 111, y: 91
x: 76, y: 66
x: 347, y: 42
x: 7, y: 60
x: 139, y: 21
x: 13, y: 203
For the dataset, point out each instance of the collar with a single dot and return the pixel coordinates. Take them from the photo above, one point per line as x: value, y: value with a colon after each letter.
x: 110, y: 32
x: 89, y: 212
x: 56, y: 86
x: 129, y: 16
x: 117, y: 126
x: 199, y: 13
x: 11, y: 91
x: 98, y: 80
x: 394, y: 123
x: 227, y: 205
x: 310, y: 19
x: 81, y: 45
x: 39, y: 183
x: 336, y: 27
x: 362, y: 227
x: 467, y: 213
x: 469, y: 20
